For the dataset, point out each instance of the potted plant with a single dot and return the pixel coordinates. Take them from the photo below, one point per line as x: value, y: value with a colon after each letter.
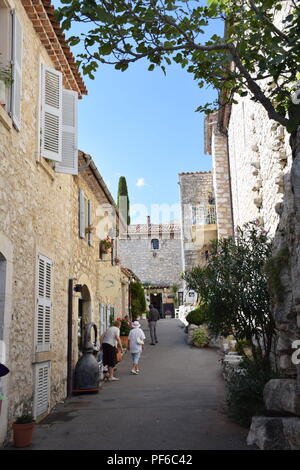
x: 124, y: 332
x: 23, y: 429
x: 200, y: 338
x: 105, y: 249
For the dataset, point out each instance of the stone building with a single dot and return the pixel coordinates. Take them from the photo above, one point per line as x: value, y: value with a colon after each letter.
x: 198, y: 213
x: 53, y: 279
x: 259, y: 179
x: 153, y: 253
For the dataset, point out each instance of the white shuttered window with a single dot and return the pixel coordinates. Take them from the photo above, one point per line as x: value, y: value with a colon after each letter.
x: 51, y: 119
x: 81, y: 214
x: 42, y: 382
x: 44, y: 304
x: 16, y: 96
x: 69, y: 160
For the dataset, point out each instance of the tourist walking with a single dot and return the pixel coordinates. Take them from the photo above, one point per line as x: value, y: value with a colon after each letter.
x: 110, y: 341
x: 136, y: 345
x: 153, y: 317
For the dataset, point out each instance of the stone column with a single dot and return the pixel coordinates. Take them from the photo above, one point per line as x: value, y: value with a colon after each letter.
x: 221, y: 175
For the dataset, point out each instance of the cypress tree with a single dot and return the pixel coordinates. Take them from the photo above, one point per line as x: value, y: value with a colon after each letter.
x: 123, y: 191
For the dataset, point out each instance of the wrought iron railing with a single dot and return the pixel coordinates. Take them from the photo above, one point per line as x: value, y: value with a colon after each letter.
x: 204, y: 215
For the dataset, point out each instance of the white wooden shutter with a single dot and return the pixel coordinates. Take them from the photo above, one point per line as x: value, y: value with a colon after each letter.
x: 51, y: 125
x: 69, y: 158
x: 42, y: 383
x: 102, y: 319
x: 90, y: 221
x: 81, y: 214
x: 44, y: 304
x: 17, y: 38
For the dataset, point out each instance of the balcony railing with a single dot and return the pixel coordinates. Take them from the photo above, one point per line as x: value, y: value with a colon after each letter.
x: 204, y: 215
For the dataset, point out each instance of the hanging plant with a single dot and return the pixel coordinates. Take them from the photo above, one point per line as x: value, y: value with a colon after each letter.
x: 105, y: 245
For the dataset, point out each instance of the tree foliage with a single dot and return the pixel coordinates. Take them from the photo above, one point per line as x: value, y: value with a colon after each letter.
x: 138, y: 301
x: 234, y: 288
x: 123, y: 192
x: 255, y: 55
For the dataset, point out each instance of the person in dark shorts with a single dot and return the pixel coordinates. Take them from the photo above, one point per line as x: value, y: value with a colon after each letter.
x: 110, y: 341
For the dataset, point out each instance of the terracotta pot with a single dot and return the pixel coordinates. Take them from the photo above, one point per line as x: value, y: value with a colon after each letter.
x: 124, y: 341
x: 23, y: 434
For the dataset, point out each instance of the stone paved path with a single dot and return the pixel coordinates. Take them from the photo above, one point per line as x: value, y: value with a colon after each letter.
x: 175, y: 403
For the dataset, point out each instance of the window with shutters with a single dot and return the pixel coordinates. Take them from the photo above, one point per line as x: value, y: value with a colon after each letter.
x: 44, y: 304
x: 10, y: 63
x: 69, y: 158
x: 42, y: 385
x: 85, y: 217
x: 51, y: 114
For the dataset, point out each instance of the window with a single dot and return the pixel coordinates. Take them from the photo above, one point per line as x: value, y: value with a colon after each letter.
x: 85, y: 217
x: 155, y: 244
x: 203, y: 215
x: 42, y: 383
x: 58, y: 122
x: 10, y: 63
x: 44, y: 304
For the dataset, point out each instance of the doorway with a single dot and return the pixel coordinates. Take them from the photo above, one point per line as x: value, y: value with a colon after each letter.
x: 84, y: 316
x: 156, y: 301
x: 2, y: 295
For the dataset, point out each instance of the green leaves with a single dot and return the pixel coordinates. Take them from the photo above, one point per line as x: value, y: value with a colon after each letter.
x: 233, y: 286
x: 123, y: 32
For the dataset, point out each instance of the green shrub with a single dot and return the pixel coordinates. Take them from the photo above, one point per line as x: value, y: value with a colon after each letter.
x: 138, y: 301
x: 200, y: 338
x: 124, y: 328
x: 241, y: 345
x: 25, y: 419
x: 245, y: 387
x: 197, y: 316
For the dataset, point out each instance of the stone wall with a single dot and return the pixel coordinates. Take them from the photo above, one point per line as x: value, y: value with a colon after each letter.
x: 39, y: 215
x: 195, y: 189
x: 260, y: 163
x: 158, y: 267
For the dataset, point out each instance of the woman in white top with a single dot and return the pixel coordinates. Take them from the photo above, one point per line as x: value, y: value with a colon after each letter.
x: 110, y: 341
x: 136, y: 345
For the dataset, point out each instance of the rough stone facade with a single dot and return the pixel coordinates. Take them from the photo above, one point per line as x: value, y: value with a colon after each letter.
x: 39, y: 215
x: 216, y: 146
x: 198, y: 216
x: 260, y: 163
x: 264, y: 172
x: 159, y: 267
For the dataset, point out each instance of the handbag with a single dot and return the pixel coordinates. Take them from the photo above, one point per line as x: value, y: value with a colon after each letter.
x: 119, y: 355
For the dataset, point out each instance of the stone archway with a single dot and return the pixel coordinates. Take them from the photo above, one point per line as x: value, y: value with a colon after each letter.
x: 84, y: 314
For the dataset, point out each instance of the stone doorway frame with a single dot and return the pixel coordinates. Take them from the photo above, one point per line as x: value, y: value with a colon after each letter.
x: 6, y: 251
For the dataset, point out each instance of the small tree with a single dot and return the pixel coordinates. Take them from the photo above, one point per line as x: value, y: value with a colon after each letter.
x: 123, y: 193
x: 138, y: 301
x: 234, y: 288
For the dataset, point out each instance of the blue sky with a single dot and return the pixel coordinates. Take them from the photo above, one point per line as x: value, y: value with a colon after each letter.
x: 143, y: 125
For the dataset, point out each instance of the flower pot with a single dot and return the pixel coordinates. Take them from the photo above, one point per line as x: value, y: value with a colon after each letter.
x: 23, y: 434
x: 124, y: 341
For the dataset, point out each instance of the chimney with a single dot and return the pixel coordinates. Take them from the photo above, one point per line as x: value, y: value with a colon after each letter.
x: 148, y: 220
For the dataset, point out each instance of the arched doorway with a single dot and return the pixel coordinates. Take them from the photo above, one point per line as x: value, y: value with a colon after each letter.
x: 84, y: 315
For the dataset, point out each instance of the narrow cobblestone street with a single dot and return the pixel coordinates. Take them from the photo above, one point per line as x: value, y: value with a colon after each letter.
x: 176, y: 402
